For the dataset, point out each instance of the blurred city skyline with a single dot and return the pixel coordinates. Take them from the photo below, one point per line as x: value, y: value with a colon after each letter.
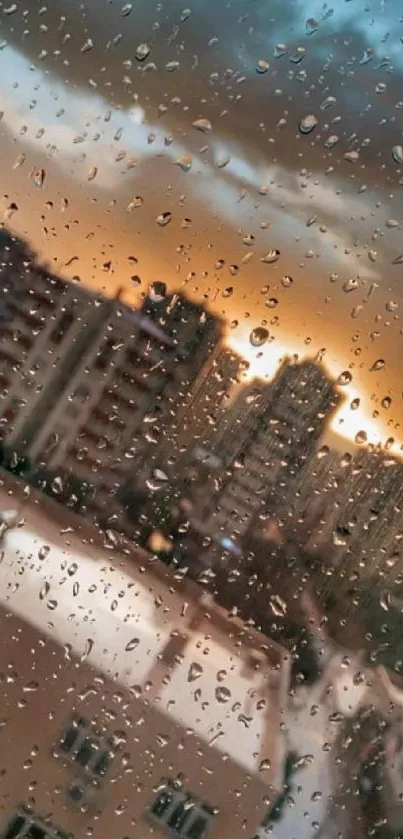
x: 90, y: 165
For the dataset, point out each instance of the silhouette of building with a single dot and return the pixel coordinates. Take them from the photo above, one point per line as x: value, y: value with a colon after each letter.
x: 91, y: 387
x: 270, y: 445
x: 361, y: 529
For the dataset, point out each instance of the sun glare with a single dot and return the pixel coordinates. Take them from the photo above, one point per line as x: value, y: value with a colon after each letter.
x: 351, y: 421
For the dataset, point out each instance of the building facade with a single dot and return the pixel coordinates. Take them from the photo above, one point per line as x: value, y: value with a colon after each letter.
x: 270, y: 445
x: 126, y: 695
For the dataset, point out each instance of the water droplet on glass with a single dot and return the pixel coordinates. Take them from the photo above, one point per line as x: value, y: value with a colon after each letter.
x: 164, y: 218
x: 132, y: 644
x: 157, y: 291
x: 202, y: 124
x: 272, y: 255
x: 126, y: 9
x: 135, y: 203
x: 278, y: 606
x: 19, y: 160
x: 398, y: 260
x: 311, y: 26
x: 184, y: 162
x: 397, y: 154
x: 142, y: 52
x: 92, y: 173
x: 39, y: 177
x: 386, y: 402
x: 258, y: 336
x: 372, y: 255
x: 87, y: 46
x: 307, y: 124
x: 222, y: 694
x: 195, y: 671
x: 361, y: 437
x: 344, y: 378
x: 379, y: 364
x: 352, y: 156
x: 262, y: 66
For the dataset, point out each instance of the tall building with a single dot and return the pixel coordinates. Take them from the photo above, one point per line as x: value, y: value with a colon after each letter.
x: 91, y: 388
x: 277, y: 441
x: 361, y: 530
x: 122, y: 710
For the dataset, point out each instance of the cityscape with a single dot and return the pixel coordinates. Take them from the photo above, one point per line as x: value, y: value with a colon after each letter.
x: 142, y: 425
x: 201, y: 412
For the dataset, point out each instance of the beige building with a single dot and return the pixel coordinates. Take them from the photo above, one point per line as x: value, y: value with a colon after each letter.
x: 130, y: 703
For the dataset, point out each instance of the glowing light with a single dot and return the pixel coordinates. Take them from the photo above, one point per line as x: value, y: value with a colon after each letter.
x: 353, y: 424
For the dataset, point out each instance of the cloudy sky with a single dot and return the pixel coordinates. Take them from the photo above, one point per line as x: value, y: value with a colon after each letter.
x: 211, y: 126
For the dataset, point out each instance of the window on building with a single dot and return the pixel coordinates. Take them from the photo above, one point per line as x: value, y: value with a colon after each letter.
x: 24, y: 823
x: 85, y: 748
x: 181, y: 813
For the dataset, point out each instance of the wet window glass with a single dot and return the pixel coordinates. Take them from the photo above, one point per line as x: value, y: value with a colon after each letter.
x: 201, y: 446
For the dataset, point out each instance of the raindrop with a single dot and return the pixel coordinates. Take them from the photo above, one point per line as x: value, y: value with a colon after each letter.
x: 19, y: 160
x: 10, y: 9
x: 272, y: 256
x: 92, y: 173
x: 345, y: 378
x: 132, y: 644
x: 88, y: 45
x: 311, y: 26
x: 184, y: 162
x: 272, y: 303
x: 397, y: 154
x: 135, y: 203
x: 379, y: 364
x: 355, y: 403
x: 44, y: 591
x: 367, y: 56
x: 351, y: 284
x: 331, y: 141
x: 43, y: 551
x: 227, y: 292
x: 307, y: 124
x: 352, y: 156
x: 361, y: 437
x: 280, y: 50
x: 89, y: 644
x: 258, y: 336
x: 372, y: 255
x: 203, y: 125
x: 386, y: 402
x: 264, y: 764
x: 262, y: 66
x: 142, y: 52
x: 171, y: 66
x: 39, y: 177
x: 287, y: 281
x: 195, y: 671
x: 278, y: 606
x: 384, y: 601
x: 164, y: 218
x: 126, y: 10
x: 330, y: 100
x: 157, y: 291
x: 398, y: 260
x: 222, y: 694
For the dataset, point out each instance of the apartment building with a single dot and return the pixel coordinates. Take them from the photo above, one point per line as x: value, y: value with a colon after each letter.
x: 91, y: 388
x: 130, y: 702
x: 271, y: 445
x: 361, y: 528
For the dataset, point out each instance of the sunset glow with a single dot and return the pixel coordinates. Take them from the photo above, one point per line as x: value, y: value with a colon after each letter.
x: 351, y: 421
